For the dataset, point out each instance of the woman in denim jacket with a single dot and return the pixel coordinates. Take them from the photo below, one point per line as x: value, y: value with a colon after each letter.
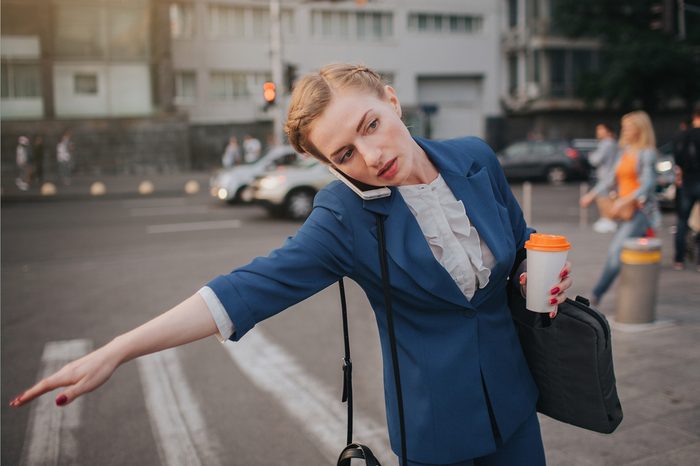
x: 633, y: 178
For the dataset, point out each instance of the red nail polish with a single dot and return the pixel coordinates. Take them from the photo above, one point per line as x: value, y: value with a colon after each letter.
x: 552, y: 314
x: 554, y: 290
x: 553, y: 301
x: 564, y: 274
x: 61, y: 400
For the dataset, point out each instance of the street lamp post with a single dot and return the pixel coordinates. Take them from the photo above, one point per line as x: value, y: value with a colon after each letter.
x: 276, y: 67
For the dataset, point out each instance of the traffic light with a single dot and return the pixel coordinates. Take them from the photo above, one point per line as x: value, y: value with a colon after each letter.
x: 269, y: 93
x: 662, y: 16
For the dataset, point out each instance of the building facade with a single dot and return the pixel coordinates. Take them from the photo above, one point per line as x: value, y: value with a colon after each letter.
x: 100, y: 69
x: 441, y: 56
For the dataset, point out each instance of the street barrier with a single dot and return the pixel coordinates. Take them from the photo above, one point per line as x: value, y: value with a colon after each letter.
x: 639, y: 278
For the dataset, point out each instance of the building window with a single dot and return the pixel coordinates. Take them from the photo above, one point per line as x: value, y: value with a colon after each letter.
x: 231, y: 85
x: 128, y: 33
x: 181, y: 21
x: 99, y: 32
x: 20, y: 80
x: 512, y: 13
x: 512, y: 74
x: 287, y: 23
x: 352, y: 25
x: 557, y: 72
x: 374, y: 26
x: 439, y: 23
x: 78, y: 31
x: 185, y: 87
x: 261, y: 23
x: 226, y: 21
x: 85, y: 84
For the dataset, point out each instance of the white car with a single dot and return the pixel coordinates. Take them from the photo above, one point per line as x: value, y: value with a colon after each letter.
x: 290, y: 190
x: 228, y: 184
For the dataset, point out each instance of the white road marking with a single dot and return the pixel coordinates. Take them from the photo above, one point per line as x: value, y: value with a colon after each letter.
x: 194, y: 226
x: 176, y: 421
x: 168, y: 210
x: 51, y: 433
x: 154, y: 202
x: 314, y: 405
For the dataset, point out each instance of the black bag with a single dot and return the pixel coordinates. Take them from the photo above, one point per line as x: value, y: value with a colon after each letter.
x: 570, y: 358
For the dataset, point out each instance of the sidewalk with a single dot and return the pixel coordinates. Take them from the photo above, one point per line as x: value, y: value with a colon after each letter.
x: 108, y: 186
x: 657, y: 369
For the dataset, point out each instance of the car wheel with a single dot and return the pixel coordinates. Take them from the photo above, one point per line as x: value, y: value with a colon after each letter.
x: 299, y: 204
x: 556, y: 174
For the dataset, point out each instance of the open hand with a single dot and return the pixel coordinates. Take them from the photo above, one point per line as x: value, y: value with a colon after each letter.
x: 80, y: 376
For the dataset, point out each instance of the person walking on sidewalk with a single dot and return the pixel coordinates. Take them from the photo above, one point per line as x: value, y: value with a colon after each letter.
x: 232, y: 153
x: 603, y: 159
x: 251, y: 148
x: 688, y: 163
x: 634, y: 178
x: 64, y: 157
x: 25, y: 165
x: 470, y: 398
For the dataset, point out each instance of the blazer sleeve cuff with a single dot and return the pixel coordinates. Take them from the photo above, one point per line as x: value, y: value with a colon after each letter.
x: 218, y: 313
x: 234, y: 306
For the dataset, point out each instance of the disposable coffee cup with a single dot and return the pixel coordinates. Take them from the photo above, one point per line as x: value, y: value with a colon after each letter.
x: 546, y: 256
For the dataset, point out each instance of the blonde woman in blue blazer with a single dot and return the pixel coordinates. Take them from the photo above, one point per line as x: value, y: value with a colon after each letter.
x: 453, y: 229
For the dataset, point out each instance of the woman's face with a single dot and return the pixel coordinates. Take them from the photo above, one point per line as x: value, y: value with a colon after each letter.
x: 363, y: 136
x: 629, y: 132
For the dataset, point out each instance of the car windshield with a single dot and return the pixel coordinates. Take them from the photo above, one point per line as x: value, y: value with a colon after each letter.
x: 519, y: 149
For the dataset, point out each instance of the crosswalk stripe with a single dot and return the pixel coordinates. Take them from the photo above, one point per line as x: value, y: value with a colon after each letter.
x: 194, y: 226
x: 51, y: 433
x: 176, y: 421
x: 310, y: 402
x: 168, y: 210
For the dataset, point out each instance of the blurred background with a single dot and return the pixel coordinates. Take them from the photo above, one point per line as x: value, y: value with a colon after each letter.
x: 160, y: 86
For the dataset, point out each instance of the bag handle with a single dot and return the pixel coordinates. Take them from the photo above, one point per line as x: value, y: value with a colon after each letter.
x: 354, y: 450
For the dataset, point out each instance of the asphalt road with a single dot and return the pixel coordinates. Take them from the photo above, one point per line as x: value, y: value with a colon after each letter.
x: 92, y: 270
x: 75, y: 274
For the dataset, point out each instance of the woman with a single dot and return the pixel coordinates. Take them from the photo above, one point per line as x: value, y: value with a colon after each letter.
x: 452, y: 231
x: 634, y: 180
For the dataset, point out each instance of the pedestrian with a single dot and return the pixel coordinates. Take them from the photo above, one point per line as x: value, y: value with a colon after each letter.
x: 232, y: 153
x: 38, y: 151
x: 453, y: 228
x: 633, y: 178
x: 251, y: 148
x: 688, y: 164
x: 64, y: 157
x: 23, y: 159
x: 603, y: 158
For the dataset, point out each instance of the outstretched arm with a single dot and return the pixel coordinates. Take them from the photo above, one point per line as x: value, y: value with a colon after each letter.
x: 188, y: 321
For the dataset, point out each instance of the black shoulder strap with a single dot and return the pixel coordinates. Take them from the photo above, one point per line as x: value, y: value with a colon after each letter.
x: 347, y: 362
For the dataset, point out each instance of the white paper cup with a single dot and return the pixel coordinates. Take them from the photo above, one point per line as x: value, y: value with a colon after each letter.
x: 546, y: 256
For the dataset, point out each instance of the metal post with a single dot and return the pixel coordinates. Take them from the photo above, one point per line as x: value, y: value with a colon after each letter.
x: 681, y: 19
x: 527, y: 202
x: 639, y: 278
x: 276, y: 68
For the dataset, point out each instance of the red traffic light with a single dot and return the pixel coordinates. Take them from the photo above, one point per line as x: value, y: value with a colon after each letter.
x: 269, y: 92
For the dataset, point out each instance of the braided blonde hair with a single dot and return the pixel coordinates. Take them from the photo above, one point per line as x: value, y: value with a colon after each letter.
x: 313, y: 93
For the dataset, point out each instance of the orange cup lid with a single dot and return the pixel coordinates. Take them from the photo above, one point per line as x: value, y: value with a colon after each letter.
x: 548, y: 243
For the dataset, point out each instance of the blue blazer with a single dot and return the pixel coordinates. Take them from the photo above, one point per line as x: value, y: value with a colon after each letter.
x: 450, y: 348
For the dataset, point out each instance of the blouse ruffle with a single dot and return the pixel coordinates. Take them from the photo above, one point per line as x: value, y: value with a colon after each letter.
x: 453, y: 240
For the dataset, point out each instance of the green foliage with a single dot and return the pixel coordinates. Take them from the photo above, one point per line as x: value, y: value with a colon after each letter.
x: 642, y: 65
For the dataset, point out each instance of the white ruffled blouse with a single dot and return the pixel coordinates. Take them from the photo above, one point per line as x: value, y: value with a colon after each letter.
x: 455, y: 243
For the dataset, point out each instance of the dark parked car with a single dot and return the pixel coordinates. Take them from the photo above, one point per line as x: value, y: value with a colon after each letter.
x: 554, y: 160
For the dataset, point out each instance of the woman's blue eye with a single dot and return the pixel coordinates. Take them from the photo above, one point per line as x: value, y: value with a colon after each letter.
x: 374, y: 124
x: 346, y: 155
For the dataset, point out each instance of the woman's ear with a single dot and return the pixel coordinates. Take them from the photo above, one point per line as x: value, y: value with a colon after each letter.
x: 393, y: 99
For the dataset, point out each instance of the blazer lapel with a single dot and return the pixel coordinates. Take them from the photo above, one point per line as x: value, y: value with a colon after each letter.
x: 407, y: 247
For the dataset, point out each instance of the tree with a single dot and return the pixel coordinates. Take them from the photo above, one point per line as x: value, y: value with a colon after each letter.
x: 643, y: 63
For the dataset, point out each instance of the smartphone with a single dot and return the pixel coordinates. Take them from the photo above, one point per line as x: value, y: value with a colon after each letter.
x: 365, y: 191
